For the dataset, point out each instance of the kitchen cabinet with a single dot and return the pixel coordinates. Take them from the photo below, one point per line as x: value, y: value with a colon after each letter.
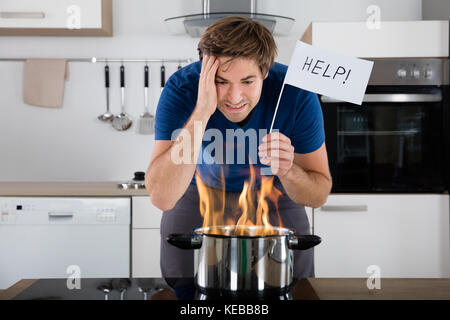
x: 146, y: 219
x: 394, y: 39
x: 56, y: 17
x: 404, y: 235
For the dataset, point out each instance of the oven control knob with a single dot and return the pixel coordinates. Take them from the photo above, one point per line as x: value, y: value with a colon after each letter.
x: 428, y: 73
x: 416, y: 73
x: 401, y: 73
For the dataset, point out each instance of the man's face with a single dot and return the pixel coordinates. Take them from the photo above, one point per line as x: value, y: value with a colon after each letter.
x: 238, y: 83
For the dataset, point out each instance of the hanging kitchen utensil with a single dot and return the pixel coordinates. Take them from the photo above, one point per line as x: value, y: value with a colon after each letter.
x: 107, y: 116
x: 163, y: 76
x: 146, y: 123
x: 122, y: 121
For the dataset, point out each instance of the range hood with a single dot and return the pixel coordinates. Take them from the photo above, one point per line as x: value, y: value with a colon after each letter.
x: 213, y: 10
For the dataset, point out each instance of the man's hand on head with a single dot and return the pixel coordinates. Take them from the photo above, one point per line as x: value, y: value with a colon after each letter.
x: 207, y: 94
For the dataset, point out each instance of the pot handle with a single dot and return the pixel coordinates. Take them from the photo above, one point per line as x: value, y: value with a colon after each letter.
x: 185, y: 241
x: 298, y: 242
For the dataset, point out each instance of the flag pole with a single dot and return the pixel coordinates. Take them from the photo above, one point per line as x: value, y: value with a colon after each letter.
x: 276, y: 108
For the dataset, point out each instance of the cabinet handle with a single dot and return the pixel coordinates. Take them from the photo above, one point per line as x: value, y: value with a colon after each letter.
x: 53, y: 215
x: 393, y: 98
x: 22, y: 15
x: 352, y: 208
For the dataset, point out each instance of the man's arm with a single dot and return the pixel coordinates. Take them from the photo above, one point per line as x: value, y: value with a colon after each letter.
x: 169, y: 175
x: 173, y: 163
x: 308, y: 181
x: 305, y: 177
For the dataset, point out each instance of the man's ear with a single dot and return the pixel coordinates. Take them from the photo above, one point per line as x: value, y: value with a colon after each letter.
x: 266, y: 76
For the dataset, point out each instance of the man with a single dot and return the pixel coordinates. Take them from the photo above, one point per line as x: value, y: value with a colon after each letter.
x: 235, y: 85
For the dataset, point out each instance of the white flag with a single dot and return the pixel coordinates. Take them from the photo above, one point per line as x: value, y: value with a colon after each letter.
x: 327, y: 73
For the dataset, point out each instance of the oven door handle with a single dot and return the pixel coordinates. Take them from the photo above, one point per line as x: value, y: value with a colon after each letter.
x: 393, y: 97
x: 353, y: 208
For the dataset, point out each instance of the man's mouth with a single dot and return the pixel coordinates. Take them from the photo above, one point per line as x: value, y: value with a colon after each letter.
x: 235, y: 108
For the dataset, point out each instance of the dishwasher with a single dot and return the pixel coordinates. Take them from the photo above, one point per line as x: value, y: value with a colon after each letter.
x: 64, y: 237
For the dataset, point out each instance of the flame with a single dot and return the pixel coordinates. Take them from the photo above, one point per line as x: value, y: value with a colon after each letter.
x: 262, y: 212
x: 212, y: 204
x: 212, y: 207
x: 246, y: 203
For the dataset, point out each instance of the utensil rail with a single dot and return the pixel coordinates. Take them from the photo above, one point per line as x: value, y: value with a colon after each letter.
x: 108, y: 60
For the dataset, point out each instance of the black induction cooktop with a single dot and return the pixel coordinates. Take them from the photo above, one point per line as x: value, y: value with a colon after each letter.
x: 142, y: 289
x: 94, y: 289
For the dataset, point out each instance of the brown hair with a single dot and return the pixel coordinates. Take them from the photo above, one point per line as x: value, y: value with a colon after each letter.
x: 237, y: 36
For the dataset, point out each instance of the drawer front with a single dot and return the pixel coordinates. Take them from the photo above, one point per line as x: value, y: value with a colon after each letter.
x: 404, y: 235
x: 145, y: 253
x: 59, y: 14
x: 145, y: 214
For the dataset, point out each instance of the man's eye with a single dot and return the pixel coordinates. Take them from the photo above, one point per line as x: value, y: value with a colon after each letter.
x: 220, y: 82
x: 248, y: 82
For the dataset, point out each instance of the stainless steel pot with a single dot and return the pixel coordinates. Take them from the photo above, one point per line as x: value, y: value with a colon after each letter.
x: 230, y: 263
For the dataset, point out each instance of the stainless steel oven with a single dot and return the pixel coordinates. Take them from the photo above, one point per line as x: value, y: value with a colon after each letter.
x: 398, y: 139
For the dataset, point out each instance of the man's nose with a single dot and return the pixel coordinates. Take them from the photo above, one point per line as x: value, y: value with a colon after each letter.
x: 235, y: 94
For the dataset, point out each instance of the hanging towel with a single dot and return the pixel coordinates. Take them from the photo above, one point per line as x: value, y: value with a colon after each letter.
x: 44, y: 81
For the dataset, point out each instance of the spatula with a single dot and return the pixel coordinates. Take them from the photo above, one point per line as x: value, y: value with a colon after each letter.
x: 146, y: 124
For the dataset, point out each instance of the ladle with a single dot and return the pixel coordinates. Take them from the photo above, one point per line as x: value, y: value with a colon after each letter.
x: 107, y: 116
x: 122, y: 121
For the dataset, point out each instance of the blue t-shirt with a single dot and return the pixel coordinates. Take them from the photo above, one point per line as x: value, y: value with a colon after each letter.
x: 299, y: 117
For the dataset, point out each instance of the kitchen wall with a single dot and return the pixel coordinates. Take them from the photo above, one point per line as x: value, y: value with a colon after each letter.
x: 69, y: 143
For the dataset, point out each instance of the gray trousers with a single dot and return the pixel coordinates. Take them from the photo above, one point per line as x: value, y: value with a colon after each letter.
x: 185, y: 217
